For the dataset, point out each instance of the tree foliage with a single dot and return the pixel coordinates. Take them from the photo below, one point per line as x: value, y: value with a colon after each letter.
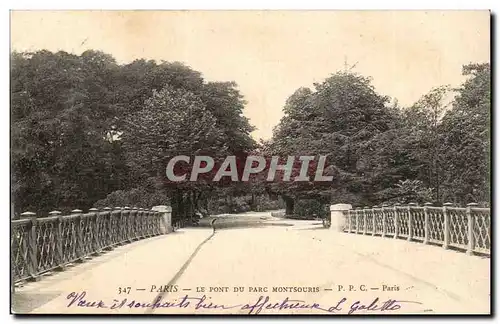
x: 466, y: 138
x: 382, y: 153
x: 84, y: 127
x: 87, y: 131
x: 337, y: 119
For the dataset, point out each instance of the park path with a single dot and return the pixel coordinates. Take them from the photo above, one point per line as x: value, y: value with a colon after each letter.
x: 421, y: 279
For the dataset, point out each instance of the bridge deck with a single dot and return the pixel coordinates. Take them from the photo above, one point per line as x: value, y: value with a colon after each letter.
x: 434, y: 280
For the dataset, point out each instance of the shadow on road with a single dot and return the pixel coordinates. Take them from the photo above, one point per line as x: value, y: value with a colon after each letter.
x: 223, y: 225
x: 180, y: 272
x: 313, y: 229
x: 23, y: 303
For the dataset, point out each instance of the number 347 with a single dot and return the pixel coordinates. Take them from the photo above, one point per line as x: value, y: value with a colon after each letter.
x: 124, y: 290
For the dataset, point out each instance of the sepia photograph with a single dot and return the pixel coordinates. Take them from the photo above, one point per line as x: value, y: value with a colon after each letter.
x: 250, y: 162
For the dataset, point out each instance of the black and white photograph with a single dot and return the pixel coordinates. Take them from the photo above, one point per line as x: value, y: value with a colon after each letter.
x: 250, y: 162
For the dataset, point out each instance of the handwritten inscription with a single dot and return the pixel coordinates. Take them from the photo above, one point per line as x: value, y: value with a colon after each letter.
x: 80, y: 299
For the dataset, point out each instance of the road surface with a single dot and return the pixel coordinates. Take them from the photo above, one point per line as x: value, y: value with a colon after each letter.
x: 312, y: 271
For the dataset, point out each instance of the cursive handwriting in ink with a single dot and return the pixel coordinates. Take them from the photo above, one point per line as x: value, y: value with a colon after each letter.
x: 337, y: 307
x: 263, y: 302
x: 201, y: 304
x: 158, y: 303
x: 115, y: 305
x: 77, y: 300
x: 389, y: 305
x: 184, y: 302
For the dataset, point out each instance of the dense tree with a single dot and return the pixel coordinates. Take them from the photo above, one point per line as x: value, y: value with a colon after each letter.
x: 335, y: 120
x: 173, y: 122
x: 423, y: 121
x: 226, y: 104
x: 466, y: 138
x: 380, y: 153
x: 59, y: 108
x: 72, y: 140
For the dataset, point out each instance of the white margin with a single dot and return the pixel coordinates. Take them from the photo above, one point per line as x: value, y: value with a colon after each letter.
x: 190, y: 4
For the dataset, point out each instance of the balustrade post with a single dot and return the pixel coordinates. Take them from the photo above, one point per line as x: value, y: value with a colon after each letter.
x: 137, y: 224
x: 374, y: 223
x: 357, y: 219
x: 146, y: 216
x: 396, y: 221
x: 349, y: 220
x: 365, y: 225
x: 58, y: 237
x: 123, y: 224
x: 145, y: 219
x: 95, y: 231
x: 12, y: 273
x: 150, y: 222
x: 338, y: 217
x: 79, y: 234
x: 160, y: 219
x: 140, y: 224
x: 446, y: 233
x: 157, y: 221
x: 12, y: 267
x: 32, y: 246
x: 107, y: 236
x: 384, y: 220
x: 153, y: 223
x: 410, y: 221
x: 132, y: 223
x: 470, y: 226
x: 115, y: 223
x: 426, y: 222
x: 119, y: 226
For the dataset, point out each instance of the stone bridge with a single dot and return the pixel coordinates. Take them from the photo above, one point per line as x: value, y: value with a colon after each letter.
x: 382, y: 260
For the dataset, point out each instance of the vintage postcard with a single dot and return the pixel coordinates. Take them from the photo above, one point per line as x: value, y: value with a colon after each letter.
x: 250, y: 162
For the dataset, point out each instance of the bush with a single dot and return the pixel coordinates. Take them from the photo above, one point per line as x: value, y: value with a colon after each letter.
x: 264, y: 203
x: 310, y: 209
x: 243, y: 204
x: 137, y: 197
x: 407, y: 191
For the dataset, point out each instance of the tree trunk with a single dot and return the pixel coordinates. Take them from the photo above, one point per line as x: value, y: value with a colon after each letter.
x: 252, y: 202
x: 289, y: 205
x: 177, y: 206
x: 189, y: 205
x: 231, y: 204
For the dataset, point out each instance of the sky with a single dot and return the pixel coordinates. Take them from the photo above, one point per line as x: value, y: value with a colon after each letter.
x: 270, y: 54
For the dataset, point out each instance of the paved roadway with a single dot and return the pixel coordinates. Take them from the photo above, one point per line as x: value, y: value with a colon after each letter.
x: 419, y: 279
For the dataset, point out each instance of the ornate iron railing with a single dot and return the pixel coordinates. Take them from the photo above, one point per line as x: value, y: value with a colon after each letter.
x: 467, y: 229
x: 50, y: 243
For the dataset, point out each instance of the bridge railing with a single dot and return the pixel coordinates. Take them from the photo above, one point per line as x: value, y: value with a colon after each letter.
x: 467, y: 229
x: 50, y: 243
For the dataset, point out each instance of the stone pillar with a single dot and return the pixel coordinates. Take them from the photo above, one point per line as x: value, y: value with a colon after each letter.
x: 167, y: 218
x: 338, y: 220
